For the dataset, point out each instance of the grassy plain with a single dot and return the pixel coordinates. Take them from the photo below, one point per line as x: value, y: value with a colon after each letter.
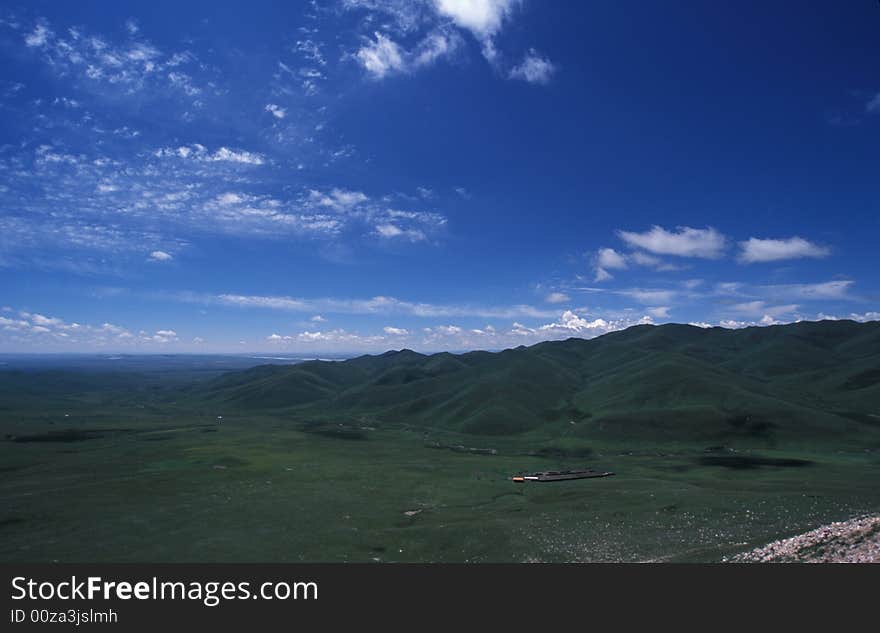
x: 136, y: 466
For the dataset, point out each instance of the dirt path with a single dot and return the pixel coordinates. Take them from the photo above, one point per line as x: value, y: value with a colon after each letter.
x: 853, y: 541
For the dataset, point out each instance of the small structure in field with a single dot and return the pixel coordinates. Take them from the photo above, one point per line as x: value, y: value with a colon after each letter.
x: 560, y: 475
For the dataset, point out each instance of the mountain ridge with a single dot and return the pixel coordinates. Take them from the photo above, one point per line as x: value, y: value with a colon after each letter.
x: 664, y: 380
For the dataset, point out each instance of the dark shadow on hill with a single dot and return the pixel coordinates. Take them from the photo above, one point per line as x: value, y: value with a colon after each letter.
x: 748, y: 462
x: 334, y: 430
x: 69, y: 435
x: 559, y: 452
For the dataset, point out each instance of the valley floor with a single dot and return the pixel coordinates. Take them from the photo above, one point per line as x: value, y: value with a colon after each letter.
x: 853, y: 541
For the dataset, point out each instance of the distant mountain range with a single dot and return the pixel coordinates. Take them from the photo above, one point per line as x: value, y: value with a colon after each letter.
x: 671, y: 382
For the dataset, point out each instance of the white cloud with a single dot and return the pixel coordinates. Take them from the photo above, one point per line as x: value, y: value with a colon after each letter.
x: 825, y: 290
x: 242, y: 214
x: 732, y: 324
x: 231, y: 198
x: 105, y: 187
x: 234, y: 156
x: 124, y: 66
x: 660, y: 312
x: 651, y: 261
x: 873, y: 106
x: 335, y: 337
x: 557, y: 297
x: 277, y: 111
x: 163, y: 336
x: 861, y: 318
x: 482, y: 17
x: 393, y: 231
x: 768, y: 250
x: 433, y: 47
x: 648, y: 296
x: 160, y: 256
x: 571, y: 321
x: 199, y: 152
x: 534, y: 68
x: 602, y: 275
x: 337, y: 199
x: 759, y: 308
x: 39, y: 36
x: 570, y: 324
x: 49, y: 332
x: 375, y: 305
x: 381, y: 57
x: 395, y: 331
x: 440, y: 22
x: 764, y: 321
x: 184, y: 82
x: 609, y: 258
x: 729, y: 288
x: 162, y: 199
x: 447, y: 330
x: 685, y: 242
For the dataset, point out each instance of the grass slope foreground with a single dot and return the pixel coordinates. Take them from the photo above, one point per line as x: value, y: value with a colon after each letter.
x: 792, y: 383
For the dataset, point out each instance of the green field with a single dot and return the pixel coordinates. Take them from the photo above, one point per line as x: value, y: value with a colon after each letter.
x: 720, y: 441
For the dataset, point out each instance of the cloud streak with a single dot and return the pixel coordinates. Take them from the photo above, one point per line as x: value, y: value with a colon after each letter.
x: 755, y: 250
x: 705, y: 243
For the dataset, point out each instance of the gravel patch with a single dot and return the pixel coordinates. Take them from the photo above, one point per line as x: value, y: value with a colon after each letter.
x: 853, y: 541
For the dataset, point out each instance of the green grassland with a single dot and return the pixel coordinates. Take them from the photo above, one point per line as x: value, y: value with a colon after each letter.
x: 720, y: 440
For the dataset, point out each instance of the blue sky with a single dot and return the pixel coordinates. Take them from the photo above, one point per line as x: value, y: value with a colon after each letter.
x: 356, y: 175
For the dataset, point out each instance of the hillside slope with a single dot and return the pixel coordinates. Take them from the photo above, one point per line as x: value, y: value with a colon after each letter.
x: 665, y: 382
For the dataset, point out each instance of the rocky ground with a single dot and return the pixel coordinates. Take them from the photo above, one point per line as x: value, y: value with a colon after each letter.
x: 853, y: 541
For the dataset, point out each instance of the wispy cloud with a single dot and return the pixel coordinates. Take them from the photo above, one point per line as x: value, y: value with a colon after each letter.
x: 381, y: 56
x: 756, y: 250
x: 375, y: 305
x: 455, y: 337
x: 161, y: 256
x: 35, y: 330
x: 199, y: 152
x: 392, y: 231
x: 534, y: 68
x: 483, y: 18
x: 649, y: 296
x: 759, y: 308
x: 337, y: 199
x: 837, y: 289
x: 275, y: 110
x: 607, y: 259
x: 705, y: 243
x: 128, y: 64
x: 557, y: 297
x: 170, y: 196
x: 438, y: 24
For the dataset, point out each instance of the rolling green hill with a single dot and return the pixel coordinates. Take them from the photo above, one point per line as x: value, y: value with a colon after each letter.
x: 669, y: 382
